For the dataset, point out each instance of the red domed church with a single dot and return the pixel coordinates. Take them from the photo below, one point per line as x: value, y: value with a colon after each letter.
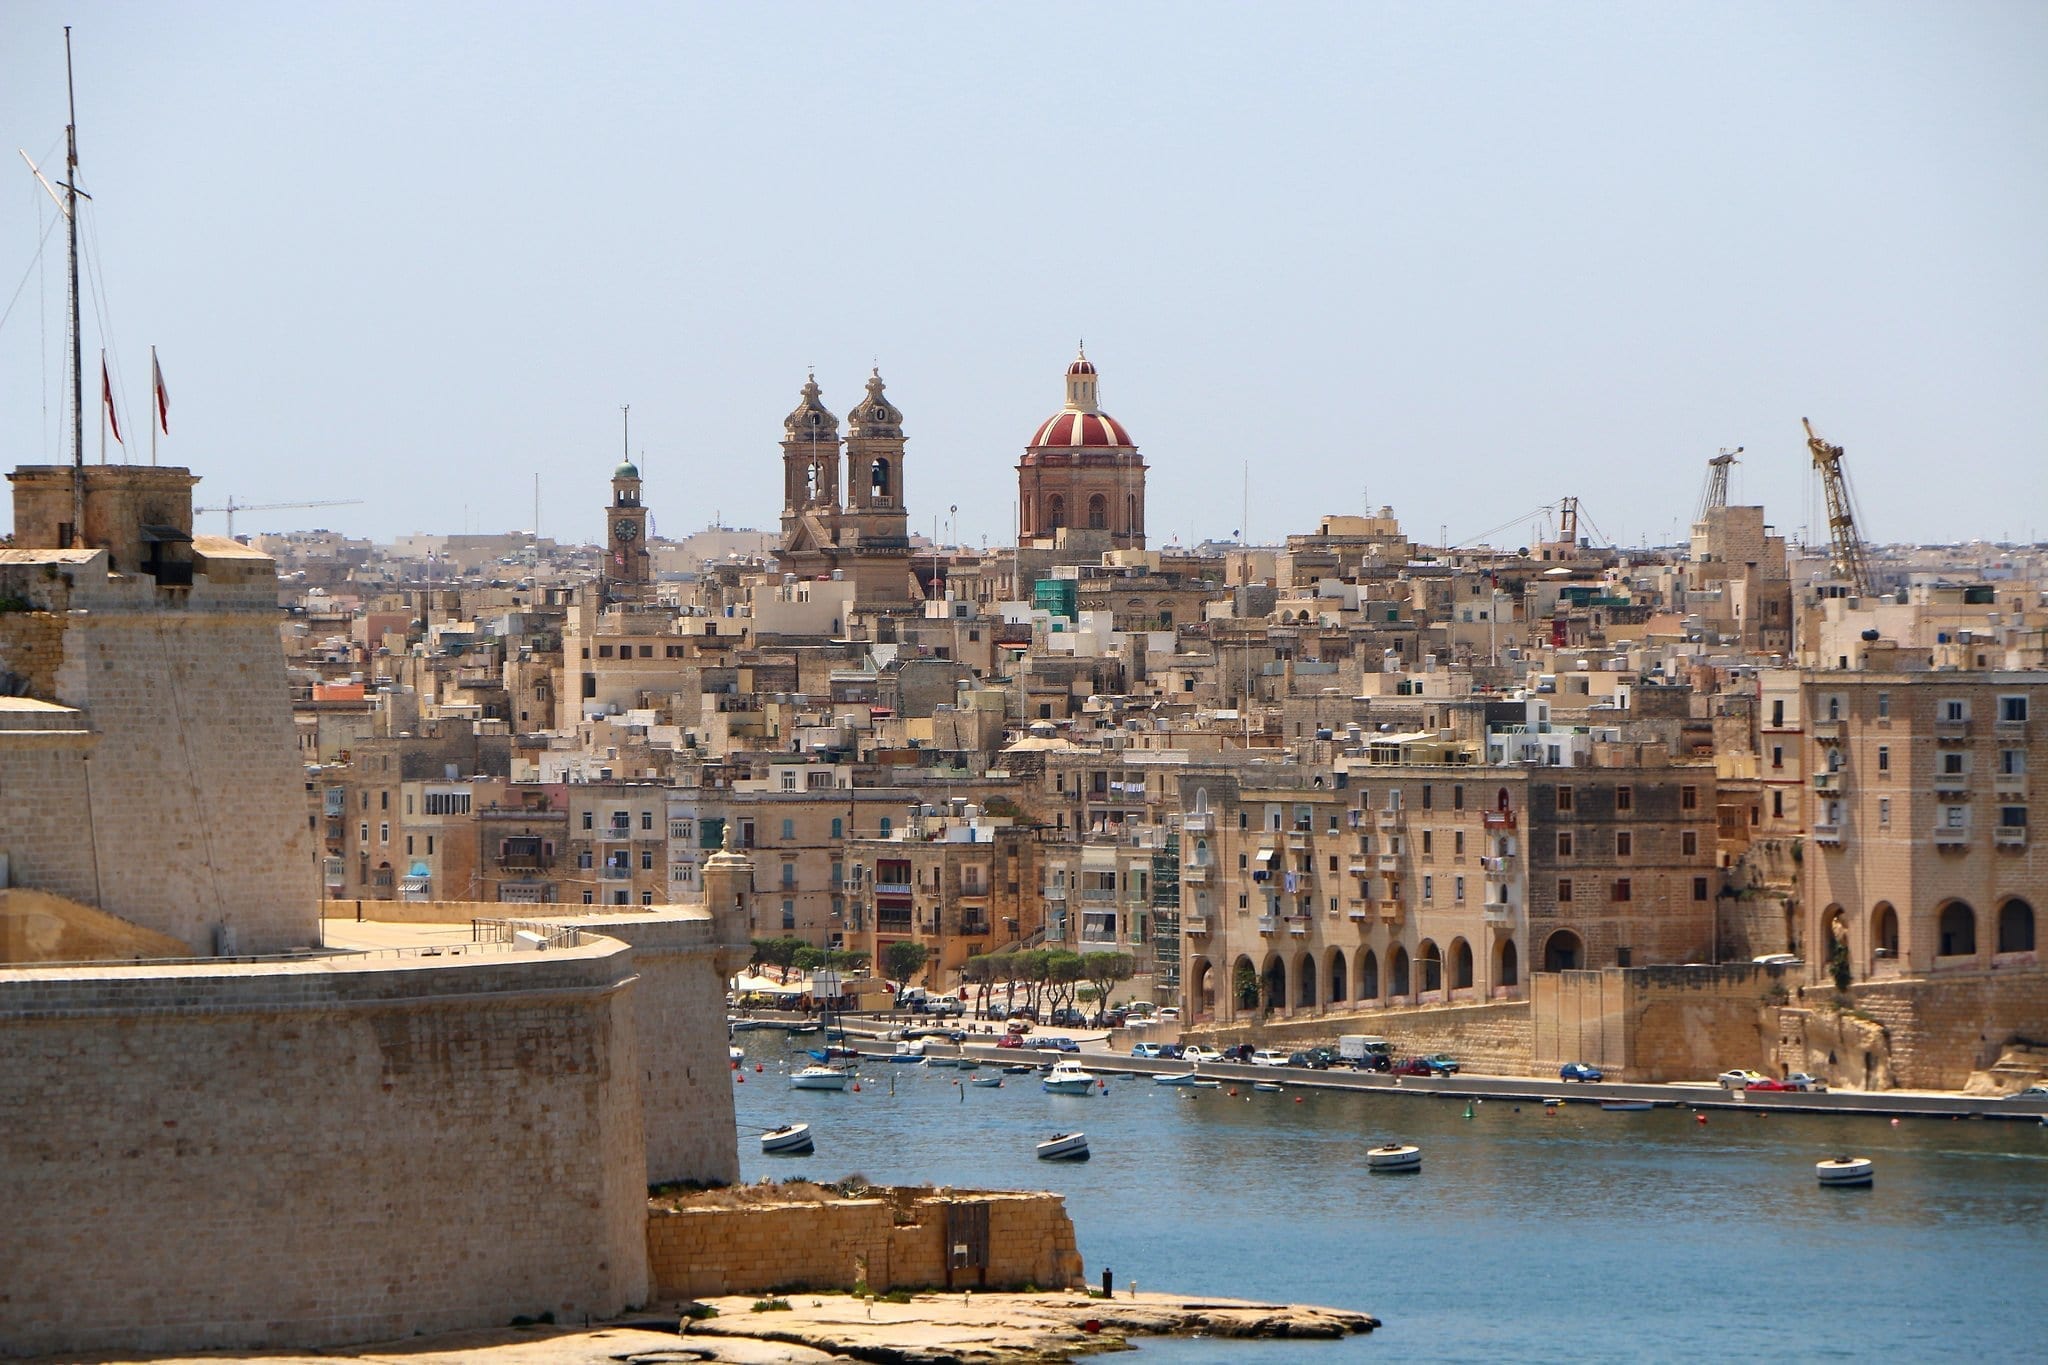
x: 1081, y: 483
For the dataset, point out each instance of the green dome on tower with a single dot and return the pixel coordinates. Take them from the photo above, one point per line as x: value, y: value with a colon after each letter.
x: 627, y: 470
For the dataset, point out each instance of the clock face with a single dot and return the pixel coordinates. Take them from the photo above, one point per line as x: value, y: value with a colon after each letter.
x: 624, y: 530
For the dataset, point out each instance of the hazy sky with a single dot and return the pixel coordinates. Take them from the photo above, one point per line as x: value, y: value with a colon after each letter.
x: 1460, y: 259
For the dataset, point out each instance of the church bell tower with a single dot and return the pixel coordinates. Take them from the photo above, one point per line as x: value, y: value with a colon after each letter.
x: 627, y: 568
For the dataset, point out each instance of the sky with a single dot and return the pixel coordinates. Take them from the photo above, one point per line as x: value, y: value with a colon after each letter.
x: 1462, y: 260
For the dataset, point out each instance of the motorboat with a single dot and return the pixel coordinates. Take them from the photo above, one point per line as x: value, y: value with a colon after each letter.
x: 829, y: 1055
x: 1068, y: 1078
x: 791, y: 1139
x: 1064, y: 1147
x: 1394, y: 1156
x: 1019, y: 1069
x: 1845, y: 1171
x: 821, y: 1078
x: 1627, y: 1106
x: 1184, y: 1078
x: 908, y: 1052
x: 734, y: 1053
x: 1267, y: 1087
x: 985, y: 1082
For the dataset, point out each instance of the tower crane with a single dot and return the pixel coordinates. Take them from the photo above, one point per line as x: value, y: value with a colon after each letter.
x: 1717, y: 481
x: 1846, y: 559
x: 233, y: 507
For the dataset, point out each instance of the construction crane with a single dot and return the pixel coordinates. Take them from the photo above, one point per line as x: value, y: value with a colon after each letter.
x: 1717, y: 481
x: 1846, y: 559
x: 233, y: 507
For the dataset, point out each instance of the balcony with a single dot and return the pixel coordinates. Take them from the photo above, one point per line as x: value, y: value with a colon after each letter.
x: 1198, y: 822
x: 1390, y: 862
x: 2010, y: 836
x: 1269, y: 924
x: 1827, y: 834
x: 617, y: 874
x: 1827, y: 731
x: 1297, y: 924
x: 1194, y: 876
x: 1360, y: 868
x: 1197, y: 925
x: 1388, y: 819
x: 1051, y: 893
x: 1498, y: 912
x: 1298, y: 840
x: 2011, y: 729
x: 618, y: 833
x: 973, y: 926
x: 1098, y: 895
x: 1947, y: 731
x: 895, y: 889
x: 1828, y: 784
x: 1392, y: 911
x: 1947, y: 837
x: 1358, y: 911
x: 2010, y: 784
x: 1951, y: 785
x: 1497, y: 866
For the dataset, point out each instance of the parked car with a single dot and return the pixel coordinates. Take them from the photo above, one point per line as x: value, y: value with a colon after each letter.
x: 1115, y: 1018
x: 1578, y: 1071
x: 1375, y: 1061
x: 1799, y: 1080
x: 1412, y: 1066
x: 945, y: 1006
x: 2032, y: 1092
x: 1267, y: 1056
x: 1767, y: 1083
x: 1010, y: 1040
x: 951, y: 1035
x: 1738, y: 1079
x: 1195, y: 1052
x: 1148, y: 1050
x: 1316, y: 1058
x: 1173, y: 1050
x: 1442, y: 1064
x: 1238, y: 1052
x: 1068, y: 1017
x: 1054, y: 1043
x: 1171, y: 1014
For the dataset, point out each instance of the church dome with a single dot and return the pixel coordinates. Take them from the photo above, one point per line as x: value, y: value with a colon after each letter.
x: 626, y: 470
x: 1069, y: 428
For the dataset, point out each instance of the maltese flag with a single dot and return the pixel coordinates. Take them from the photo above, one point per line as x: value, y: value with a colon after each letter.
x: 163, y: 395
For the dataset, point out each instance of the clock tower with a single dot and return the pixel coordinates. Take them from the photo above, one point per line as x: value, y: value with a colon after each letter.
x: 626, y: 564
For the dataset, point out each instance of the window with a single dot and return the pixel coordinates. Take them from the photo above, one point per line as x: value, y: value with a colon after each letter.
x: 2012, y: 817
x: 1777, y: 805
x: 1458, y: 890
x: 789, y: 874
x: 1457, y: 798
x: 788, y: 830
x: 1425, y: 838
x: 1458, y: 842
x: 1884, y: 812
x: 1564, y: 798
x: 1777, y: 755
x: 1688, y: 843
x: 364, y: 834
x: 646, y: 860
x: 384, y: 832
x: 1624, y: 798
x: 1884, y: 758
x: 2012, y: 710
x: 408, y: 845
x: 383, y: 800
x: 789, y: 914
x: 647, y: 819
x: 647, y: 898
x: 838, y: 828
x: 604, y: 651
x: 1699, y: 888
x: 408, y: 803
x: 1564, y: 843
x: 1884, y: 705
x: 2012, y: 762
x: 1954, y: 763
x: 1778, y: 711
x: 1564, y: 888
x: 1427, y: 793
x: 1688, y: 798
x: 788, y: 780
x: 588, y: 821
x: 1428, y: 887
x: 1624, y: 844
x: 589, y: 897
x: 1953, y: 817
x: 1954, y: 710
x: 446, y: 803
x: 583, y: 862
x: 1621, y: 889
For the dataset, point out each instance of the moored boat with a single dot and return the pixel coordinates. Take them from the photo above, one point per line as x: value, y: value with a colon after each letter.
x: 1394, y: 1156
x: 1068, y: 1078
x: 1845, y: 1171
x: 1627, y: 1106
x: 1064, y: 1147
x: 986, y: 1082
x: 1185, y: 1078
x: 1267, y: 1087
x: 820, y: 1078
x: 791, y: 1139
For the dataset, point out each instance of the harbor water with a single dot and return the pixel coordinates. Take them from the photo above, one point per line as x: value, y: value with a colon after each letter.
x: 1573, y: 1234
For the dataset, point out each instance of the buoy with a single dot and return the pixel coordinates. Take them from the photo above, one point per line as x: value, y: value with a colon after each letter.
x: 1233, y: 1092
x: 757, y: 1068
x: 1297, y: 1099
x: 741, y: 1078
x: 1701, y: 1118
x: 1468, y: 1109
x: 856, y: 1087
x: 1895, y: 1123
x: 735, y: 1065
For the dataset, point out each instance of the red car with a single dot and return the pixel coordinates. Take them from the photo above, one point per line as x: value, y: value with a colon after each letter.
x: 1010, y: 1040
x: 1768, y: 1084
x: 1414, y: 1066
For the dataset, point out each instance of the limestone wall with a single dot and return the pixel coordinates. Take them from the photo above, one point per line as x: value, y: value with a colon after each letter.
x: 899, y: 1241
x: 294, y: 1155
x: 1941, y: 1028
x: 1660, y: 1023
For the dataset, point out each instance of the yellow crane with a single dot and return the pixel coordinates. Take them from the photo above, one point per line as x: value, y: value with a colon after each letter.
x: 233, y: 507
x: 1846, y: 559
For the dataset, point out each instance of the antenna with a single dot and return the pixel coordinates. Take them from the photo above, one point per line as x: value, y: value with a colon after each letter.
x: 77, y: 355
x: 626, y: 432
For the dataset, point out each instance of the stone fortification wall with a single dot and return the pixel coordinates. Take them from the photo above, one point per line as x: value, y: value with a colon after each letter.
x: 1493, y: 1038
x: 1659, y: 1023
x: 285, y: 1155
x: 898, y: 1242
x: 679, y: 1015
x: 186, y: 811
x: 1941, y: 1028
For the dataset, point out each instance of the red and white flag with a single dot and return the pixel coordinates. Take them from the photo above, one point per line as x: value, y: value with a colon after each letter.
x: 163, y: 395
x: 107, y: 394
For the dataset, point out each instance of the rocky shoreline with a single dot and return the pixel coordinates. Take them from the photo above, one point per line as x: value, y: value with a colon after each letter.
x: 817, y: 1329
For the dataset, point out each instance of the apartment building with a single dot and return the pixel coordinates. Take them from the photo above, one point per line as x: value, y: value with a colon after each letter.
x: 955, y: 882
x: 1922, y: 858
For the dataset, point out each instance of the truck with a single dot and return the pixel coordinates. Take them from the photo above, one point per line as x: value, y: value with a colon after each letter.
x: 1366, y: 1051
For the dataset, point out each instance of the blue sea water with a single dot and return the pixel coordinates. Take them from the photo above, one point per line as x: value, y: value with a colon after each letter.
x: 1579, y: 1234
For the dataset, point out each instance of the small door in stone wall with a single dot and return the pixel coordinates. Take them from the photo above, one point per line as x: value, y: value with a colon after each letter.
x: 967, y: 1243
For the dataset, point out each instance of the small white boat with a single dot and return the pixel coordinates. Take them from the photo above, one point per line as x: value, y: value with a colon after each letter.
x: 986, y: 1082
x: 1845, y: 1171
x: 792, y: 1139
x: 1205, y: 1083
x: 1394, y: 1156
x: 1627, y: 1106
x: 735, y: 1054
x: 1068, y: 1078
x: 908, y: 1052
x: 1064, y: 1147
x: 1186, y: 1078
x: 1267, y: 1087
x: 820, y: 1078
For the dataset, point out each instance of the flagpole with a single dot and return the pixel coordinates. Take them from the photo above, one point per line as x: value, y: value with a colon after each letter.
x: 106, y: 398
x: 154, y: 385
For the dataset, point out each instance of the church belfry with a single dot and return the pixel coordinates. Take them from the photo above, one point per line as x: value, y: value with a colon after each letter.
x: 874, y: 467
x: 810, y: 459
x: 866, y: 538
x: 626, y: 562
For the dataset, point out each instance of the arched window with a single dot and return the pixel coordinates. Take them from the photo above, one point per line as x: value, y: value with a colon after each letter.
x: 1958, y: 930
x: 1510, y: 970
x: 1369, y: 977
x: 2015, y: 927
x: 1131, y: 512
x: 879, y: 485
x: 1461, y: 965
x: 1564, y: 952
x: 1098, y: 513
x: 1339, y: 982
x: 1397, y: 970
x: 1055, y: 512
